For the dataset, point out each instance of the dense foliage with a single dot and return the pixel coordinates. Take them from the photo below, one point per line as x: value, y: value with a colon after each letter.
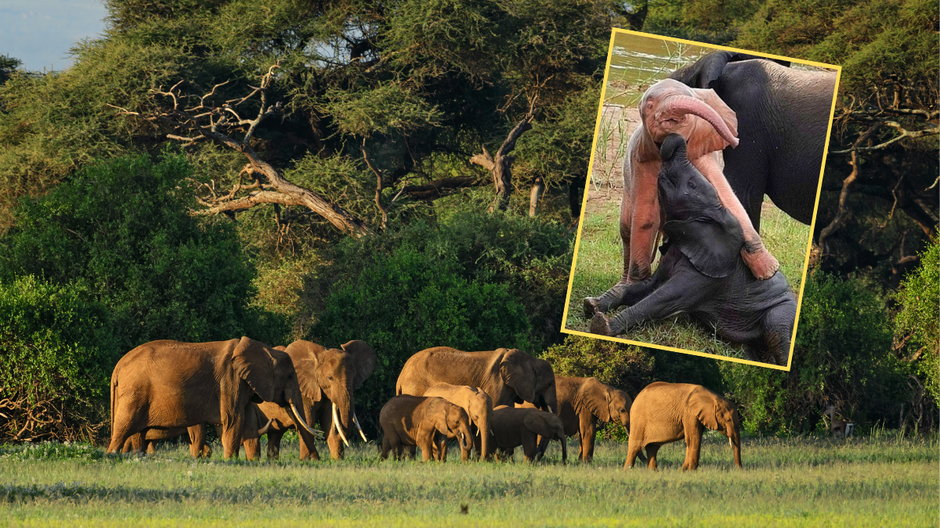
x: 106, y: 261
x: 917, y: 326
x: 469, y: 280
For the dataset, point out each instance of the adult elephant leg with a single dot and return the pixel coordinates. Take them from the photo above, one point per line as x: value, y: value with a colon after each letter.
x: 762, y: 264
x: 308, y: 448
x: 274, y: 443
x: 197, y: 440
x: 231, y: 435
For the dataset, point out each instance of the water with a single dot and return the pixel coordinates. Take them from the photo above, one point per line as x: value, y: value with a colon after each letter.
x: 637, y: 62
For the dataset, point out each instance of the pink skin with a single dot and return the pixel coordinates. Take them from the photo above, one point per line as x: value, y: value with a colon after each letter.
x: 670, y: 107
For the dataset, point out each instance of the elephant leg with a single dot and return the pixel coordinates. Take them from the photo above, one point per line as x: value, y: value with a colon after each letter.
x: 679, y: 293
x: 386, y: 447
x: 412, y: 451
x: 778, y: 328
x: 693, y: 445
x: 530, y: 448
x: 762, y: 264
x: 335, y: 443
x: 122, y: 430
x: 134, y: 444
x: 274, y: 443
x: 197, y: 440
x: 587, y: 431
x: 231, y: 435
x: 151, y: 447
x: 633, y: 448
x: 651, y: 450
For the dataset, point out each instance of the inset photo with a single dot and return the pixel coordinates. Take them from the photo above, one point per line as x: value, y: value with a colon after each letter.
x: 702, y: 192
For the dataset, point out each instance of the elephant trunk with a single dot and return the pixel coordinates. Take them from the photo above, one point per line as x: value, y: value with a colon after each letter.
x: 684, y: 104
x: 466, y: 441
x: 483, y: 425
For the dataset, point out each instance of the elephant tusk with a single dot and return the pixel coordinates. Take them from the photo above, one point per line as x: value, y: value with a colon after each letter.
x: 264, y: 430
x: 550, y: 409
x: 361, y: 432
x: 299, y: 418
x: 339, y: 426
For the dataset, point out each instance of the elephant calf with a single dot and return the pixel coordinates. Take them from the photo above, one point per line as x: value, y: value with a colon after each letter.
x: 522, y: 426
x: 583, y: 402
x: 701, y: 271
x: 420, y: 421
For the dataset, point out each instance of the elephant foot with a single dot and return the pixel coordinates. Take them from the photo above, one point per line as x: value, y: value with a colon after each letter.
x: 600, y: 325
x: 590, y: 306
x: 762, y: 264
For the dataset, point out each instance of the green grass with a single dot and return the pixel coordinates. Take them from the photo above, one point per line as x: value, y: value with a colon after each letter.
x: 798, y: 482
x: 600, y: 263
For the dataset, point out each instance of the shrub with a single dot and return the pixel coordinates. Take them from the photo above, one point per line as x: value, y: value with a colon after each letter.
x: 917, y: 326
x: 56, y: 353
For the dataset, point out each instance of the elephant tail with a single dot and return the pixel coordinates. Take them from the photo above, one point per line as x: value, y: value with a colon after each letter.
x: 112, y: 387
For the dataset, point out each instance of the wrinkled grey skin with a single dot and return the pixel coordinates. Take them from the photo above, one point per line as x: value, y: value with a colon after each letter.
x: 702, y: 273
x: 783, y: 114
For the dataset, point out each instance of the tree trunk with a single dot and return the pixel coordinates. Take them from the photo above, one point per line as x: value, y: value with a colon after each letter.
x: 535, y: 193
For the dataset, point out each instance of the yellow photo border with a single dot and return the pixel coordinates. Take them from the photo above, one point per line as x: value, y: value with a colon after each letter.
x: 809, y: 243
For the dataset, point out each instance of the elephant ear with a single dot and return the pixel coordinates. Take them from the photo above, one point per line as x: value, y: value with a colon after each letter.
x: 364, y: 359
x: 598, y: 398
x: 253, y: 363
x: 704, y: 138
x: 303, y: 355
x: 704, y: 72
x: 517, y: 373
x: 712, y: 241
x: 704, y: 406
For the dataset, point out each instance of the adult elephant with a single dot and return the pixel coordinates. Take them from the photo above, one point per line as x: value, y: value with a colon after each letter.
x: 585, y: 402
x: 477, y: 404
x: 170, y: 384
x: 667, y: 412
x: 328, y: 379
x: 507, y: 375
x: 783, y: 115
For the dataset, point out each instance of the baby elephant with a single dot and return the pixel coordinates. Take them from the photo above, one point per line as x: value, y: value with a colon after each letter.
x: 515, y: 426
x: 701, y: 271
x: 667, y: 412
x: 420, y: 421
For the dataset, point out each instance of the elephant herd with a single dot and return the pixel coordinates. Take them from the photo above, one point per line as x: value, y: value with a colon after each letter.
x: 490, y: 402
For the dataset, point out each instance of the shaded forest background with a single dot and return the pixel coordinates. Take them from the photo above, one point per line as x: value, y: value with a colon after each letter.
x: 409, y: 173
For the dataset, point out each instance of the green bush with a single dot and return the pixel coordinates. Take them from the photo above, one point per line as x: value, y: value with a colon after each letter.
x: 917, y: 326
x: 121, y: 229
x: 56, y: 353
x: 106, y: 261
x: 469, y: 280
x: 627, y: 367
x: 842, y: 357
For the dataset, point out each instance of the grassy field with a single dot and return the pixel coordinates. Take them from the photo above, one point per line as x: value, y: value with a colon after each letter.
x: 798, y: 482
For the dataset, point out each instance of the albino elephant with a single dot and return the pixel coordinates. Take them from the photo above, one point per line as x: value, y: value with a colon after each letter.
x: 507, y: 375
x: 522, y: 426
x: 328, y: 378
x: 583, y: 402
x: 170, y: 384
x: 666, y: 412
x: 477, y: 404
x: 708, y: 126
x: 421, y: 421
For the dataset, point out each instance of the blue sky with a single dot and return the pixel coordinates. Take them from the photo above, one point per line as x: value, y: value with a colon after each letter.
x: 41, y: 32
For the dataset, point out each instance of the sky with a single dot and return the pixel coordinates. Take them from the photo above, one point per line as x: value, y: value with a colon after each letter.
x: 40, y: 33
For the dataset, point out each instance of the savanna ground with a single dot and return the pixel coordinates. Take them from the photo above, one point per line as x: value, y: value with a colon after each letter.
x: 600, y: 254
x: 880, y: 481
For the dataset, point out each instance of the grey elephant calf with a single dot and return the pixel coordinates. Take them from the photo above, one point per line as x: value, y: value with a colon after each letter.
x: 512, y: 427
x: 701, y: 271
x: 409, y: 421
